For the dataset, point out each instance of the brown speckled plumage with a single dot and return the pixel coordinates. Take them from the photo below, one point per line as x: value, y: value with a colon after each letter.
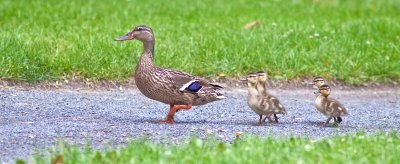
x: 329, y: 106
x: 162, y: 84
x: 262, y: 103
x: 269, y: 101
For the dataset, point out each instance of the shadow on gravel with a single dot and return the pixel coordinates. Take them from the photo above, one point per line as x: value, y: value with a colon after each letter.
x: 330, y: 125
x: 246, y: 123
x: 313, y: 123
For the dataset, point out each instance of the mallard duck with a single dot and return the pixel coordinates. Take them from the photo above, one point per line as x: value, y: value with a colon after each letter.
x: 329, y: 106
x: 178, y: 89
x: 273, y: 101
x: 317, y: 82
x: 259, y: 104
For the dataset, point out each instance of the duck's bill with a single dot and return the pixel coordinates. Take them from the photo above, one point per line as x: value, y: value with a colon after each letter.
x: 311, y: 84
x: 243, y: 79
x: 125, y: 37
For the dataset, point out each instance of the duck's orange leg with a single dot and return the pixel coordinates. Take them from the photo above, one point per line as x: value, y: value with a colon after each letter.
x: 172, y: 110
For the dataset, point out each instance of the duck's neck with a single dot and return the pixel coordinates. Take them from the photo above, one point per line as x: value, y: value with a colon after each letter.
x: 146, y: 61
x: 252, y: 90
x: 261, y: 88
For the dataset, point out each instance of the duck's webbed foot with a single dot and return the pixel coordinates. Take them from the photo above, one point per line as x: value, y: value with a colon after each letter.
x: 167, y: 121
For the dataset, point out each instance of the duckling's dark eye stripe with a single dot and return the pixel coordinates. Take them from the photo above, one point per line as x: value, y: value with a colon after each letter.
x: 318, y: 80
x: 252, y: 76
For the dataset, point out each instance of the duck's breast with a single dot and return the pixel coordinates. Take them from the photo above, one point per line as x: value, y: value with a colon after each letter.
x: 319, y: 104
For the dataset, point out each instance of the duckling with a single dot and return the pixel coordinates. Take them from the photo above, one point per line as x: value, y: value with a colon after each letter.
x: 317, y: 82
x: 260, y: 104
x: 273, y: 101
x: 253, y: 95
x: 328, y: 106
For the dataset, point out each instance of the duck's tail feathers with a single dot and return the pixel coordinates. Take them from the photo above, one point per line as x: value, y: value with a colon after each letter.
x: 215, y: 86
x: 221, y: 97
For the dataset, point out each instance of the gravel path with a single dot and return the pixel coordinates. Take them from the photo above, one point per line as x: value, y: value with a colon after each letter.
x: 35, y: 119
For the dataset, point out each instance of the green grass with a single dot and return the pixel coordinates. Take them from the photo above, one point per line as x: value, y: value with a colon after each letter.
x: 353, y: 41
x: 358, y: 148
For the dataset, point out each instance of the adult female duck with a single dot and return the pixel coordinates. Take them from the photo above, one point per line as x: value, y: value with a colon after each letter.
x: 178, y: 89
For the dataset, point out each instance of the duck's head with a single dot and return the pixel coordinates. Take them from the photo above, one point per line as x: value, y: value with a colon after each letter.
x: 317, y: 82
x: 261, y: 77
x: 324, y: 90
x: 251, y: 79
x: 141, y: 32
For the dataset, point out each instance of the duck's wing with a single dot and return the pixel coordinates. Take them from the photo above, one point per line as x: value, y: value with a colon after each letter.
x: 183, y: 81
x: 264, y: 103
x: 335, y: 106
x: 272, y: 104
x: 279, y: 108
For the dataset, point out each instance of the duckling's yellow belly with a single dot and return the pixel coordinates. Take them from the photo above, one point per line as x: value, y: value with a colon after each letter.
x: 319, y: 104
x: 255, y: 108
x: 252, y: 101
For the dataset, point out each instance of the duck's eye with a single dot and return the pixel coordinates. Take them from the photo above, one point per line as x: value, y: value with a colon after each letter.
x: 139, y: 29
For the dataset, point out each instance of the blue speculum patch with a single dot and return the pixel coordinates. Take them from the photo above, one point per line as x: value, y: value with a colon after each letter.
x: 194, y: 87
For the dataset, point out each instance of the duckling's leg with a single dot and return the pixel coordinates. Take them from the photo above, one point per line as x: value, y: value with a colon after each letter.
x: 276, y: 118
x: 263, y: 120
x: 269, y: 118
x: 173, y: 109
x: 339, y: 119
x: 326, y: 122
x: 259, y: 121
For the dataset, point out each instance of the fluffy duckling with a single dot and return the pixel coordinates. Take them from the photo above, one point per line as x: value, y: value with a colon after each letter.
x: 317, y: 82
x: 328, y: 106
x: 253, y: 96
x: 260, y: 104
x: 272, y: 100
